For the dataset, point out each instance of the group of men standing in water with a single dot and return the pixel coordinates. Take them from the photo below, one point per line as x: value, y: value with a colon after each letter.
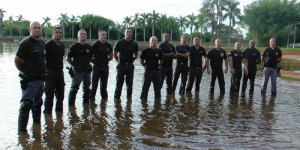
x: 38, y: 62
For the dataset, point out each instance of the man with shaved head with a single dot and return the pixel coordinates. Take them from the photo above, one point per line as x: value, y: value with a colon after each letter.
x: 30, y: 61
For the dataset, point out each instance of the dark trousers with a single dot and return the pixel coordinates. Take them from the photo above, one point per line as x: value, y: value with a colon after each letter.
x: 123, y: 70
x: 251, y: 76
x: 31, y: 100
x: 183, y: 70
x: 166, y: 73
x: 214, y: 74
x: 194, y: 73
x: 102, y: 74
x: 154, y: 77
x: 55, y: 84
x: 76, y: 81
x: 235, y: 81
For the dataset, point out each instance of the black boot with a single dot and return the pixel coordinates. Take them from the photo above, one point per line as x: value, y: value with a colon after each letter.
x: 24, y: 115
x: 86, y: 96
x: 36, y: 114
x: 72, y: 97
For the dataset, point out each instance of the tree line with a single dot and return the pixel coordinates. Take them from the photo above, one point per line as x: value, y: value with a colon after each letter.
x: 261, y: 19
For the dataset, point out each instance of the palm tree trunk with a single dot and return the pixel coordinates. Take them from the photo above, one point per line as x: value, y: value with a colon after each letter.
x: 90, y: 32
x: 161, y: 32
x: 288, y: 40
x: 229, y: 35
x: 20, y: 30
x: 10, y: 30
x: 72, y: 31
x: 191, y: 37
x: 171, y: 33
x: 46, y: 32
x: 152, y: 29
x: 201, y: 35
x: 135, y: 32
x: 144, y: 33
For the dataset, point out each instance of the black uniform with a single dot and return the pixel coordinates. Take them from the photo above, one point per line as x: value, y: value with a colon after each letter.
x: 55, y: 83
x: 252, y: 57
x: 195, y: 67
x: 32, y: 52
x: 100, y: 54
x: 181, y: 68
x: 152, y: 72
x: 216, y: 62
x: 125, y: 67
x: 80, y: 55
x: 237, y: 57
x: 166, y: 67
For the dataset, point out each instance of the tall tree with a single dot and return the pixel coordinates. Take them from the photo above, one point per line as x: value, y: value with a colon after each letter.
x: 2, y: 11
x: 127, y: 22
x: 135, y: 20
x: 20, y: 21
x: 143, y: 19
x: 172, y: 24
x: 232, y: 12
x: 182, y: 22
x: 73, y: 20
x: 63, y: 21
x: 87, y: 22
x: 191, y: 20
x: 163, y: 23
x: 202, y: 22
x: 208, y: 10
x: 153, y: 18
x: 46, y: 24
x: 10, y: 20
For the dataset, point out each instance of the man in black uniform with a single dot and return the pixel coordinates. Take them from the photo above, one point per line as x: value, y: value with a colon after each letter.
x: 30, y: 61
x: 102, y: 54
x: 151, y: 58
x: 55, y: 83
x: 168, y: 52
x: 182, y: 54
x: 196, y: 69
x: 251, y: 58
x: 79, y: 57
x: 215, y: 61
x: 271, y: 56
x: 235, y: 63
x: 128, y: 50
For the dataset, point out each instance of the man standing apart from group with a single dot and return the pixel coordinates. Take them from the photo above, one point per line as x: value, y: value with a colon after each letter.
x: 271, y: 56
x: 79, y: 57
x: 235, y: 63
x: 55, y: 83
x: 168, y: 52
x: 151, y: 58
x: 215, y: 61
x: 196, y: 69
x: 102, y: 54
x: 30, y: 61
x: 251, y: 58
x: 182, y: 54
x: 128, y: 50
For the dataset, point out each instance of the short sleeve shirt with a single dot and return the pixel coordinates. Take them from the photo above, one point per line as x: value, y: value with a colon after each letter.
x: 81, y: 55
x: 237, y: 57
x: 251, y: 56
x: 101, y: 52
x: 196, y: 56
x: 182, y: 50
x: 216, y: 58
x: 33, y: 54
x: 54, y: 55
x: 151, y: 58
x: 167, y: 48
x: 271, y: 57
x: 126, y: 50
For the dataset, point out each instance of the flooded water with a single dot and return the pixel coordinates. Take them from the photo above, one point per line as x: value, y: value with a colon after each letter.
x: 191, y: 121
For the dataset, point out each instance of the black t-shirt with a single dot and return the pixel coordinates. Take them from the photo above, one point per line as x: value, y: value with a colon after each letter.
x: 167, y: 49
x: 237, y: 57
x: 33, y: 54
x: 81, y: 55
x: 126, y: 50
x: 151, y: 58
x: 216, y: 58
x: 54, y: 55
x: 271, y: 57
x: 182, y: 49
x: 101, y: 52
x: 196, y: 56
x: 251, y: 56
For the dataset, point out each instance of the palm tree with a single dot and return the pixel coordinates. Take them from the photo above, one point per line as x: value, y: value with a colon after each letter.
x: 208, y: 11
x: 142, y: 20
x: 2, y: 11
x: 232, y: 12
x: 163, y: 23
x: 10, y: 20
x: 181, y: 21
x: 135, y: 20
x: 47, y: 24
x: 63, y: 20
x: 190, y: 23
x: 153, y: 18
x: 127, y: 22
x: 172, y: 25
x: 202, y: 22
x: 73, y: 20
x: 20, y: 20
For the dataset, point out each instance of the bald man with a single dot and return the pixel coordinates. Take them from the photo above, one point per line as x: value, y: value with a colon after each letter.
x: 30, y: 61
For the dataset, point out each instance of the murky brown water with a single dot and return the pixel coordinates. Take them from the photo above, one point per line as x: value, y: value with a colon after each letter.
x: 194, y: 121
